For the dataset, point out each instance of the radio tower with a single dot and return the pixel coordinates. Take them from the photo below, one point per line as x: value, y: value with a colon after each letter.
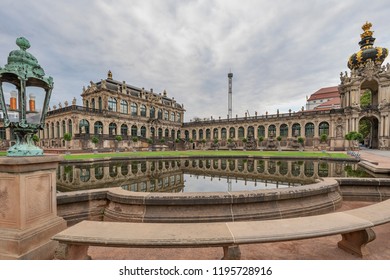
x: 230, y: 94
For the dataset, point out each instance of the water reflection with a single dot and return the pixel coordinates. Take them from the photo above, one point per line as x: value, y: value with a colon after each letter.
x: 194, y: 175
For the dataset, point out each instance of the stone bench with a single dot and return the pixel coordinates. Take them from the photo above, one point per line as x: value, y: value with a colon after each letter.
x: 355, y: 226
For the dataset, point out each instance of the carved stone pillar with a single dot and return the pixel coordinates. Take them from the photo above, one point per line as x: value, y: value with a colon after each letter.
x: 28, y: 207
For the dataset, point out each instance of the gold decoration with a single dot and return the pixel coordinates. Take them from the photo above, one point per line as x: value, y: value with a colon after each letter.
x: 109, y: 75
x: 366, y: 28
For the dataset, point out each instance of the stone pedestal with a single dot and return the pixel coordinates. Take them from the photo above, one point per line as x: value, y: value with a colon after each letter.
x: 28, y: 207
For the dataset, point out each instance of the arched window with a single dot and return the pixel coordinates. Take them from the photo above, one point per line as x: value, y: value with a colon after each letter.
x: 100, y: 105
x: 309, y: 130
x: 152, y: 132
x: 112, y: 129
x: 284, y: 130
x: 58, y: 129
x: 134, y: 130
x: 160, y: 133
x: 112, y: 104
x: 223, y: 133
x: 166, y: 134
x: 178, y: 117
x: 159, y: 114
x: 166, y: 115
x: 296, y: 130
x: 241, y: 132
x: 134, y: 108
x: 261, y: 131
x: 187, y: 135
x: 201, y: 134
x: 70, y: 127
x: 124, y: 107
x: 323, y: 128
x: 143, y: 131
x: 152, y: 113
x: 124, y: 129
x: 193, y: 134
x: 63, y: 127
x: 143, y: 110
x: 173, y: 134
x: 93, y: 103
x: 87, y: 103
x: 98, y: 128
x: 251, y: 131
x: 215, y: 133
x: 232, y: 133
x: 272, y: 130
x: 83, y: 127
x: 208, y: 134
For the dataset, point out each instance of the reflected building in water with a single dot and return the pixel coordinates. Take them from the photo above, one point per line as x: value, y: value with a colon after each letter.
x: 169, y: 175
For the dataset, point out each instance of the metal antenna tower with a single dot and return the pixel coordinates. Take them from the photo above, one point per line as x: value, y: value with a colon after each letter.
x: 230, y: 94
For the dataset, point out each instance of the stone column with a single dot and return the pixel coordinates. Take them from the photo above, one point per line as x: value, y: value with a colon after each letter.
x: 28, y: 207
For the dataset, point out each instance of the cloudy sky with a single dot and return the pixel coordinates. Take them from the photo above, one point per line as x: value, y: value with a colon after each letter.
x: 279, y: 51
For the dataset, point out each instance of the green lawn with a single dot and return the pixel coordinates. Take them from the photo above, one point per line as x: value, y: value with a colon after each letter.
x: 207, y: 153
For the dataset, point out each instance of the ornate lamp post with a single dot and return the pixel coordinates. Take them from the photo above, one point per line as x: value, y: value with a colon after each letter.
x: 24, y: 73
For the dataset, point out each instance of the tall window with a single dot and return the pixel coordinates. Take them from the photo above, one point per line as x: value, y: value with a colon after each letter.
x: 124, y: 130
x: 152, y: 113
x: 261, y: 131
x: 143, y: 131
x: 232, y: 133
x: 63, y: 127
x: 2, y: 133
x: 112, y: 129
x: 251, y: 131
x: 241, y: 132
x: 323, y: 128
x: 58, y: 129
x: 143, y: 110
x: 172, y: 116
x: 296, y: 129
x: 124, y: 107
x: 223, y: 133
x: 134, y: 129
x: 93, y: 103
x: 272, y: 130
x: 83, y: 127
x: 215, y: 133
x: 112, y: 104
x: 284, y: 130
x: 193, y: 134
x: 98, y: 128
x: 100, y: 103
x: 178, y: 117
x: 309, y: 130
x: 201, y: 134
x: 208, y: 134
x: 166, y: 115
x: 134, y: 108
x: 70, y: 127
x: 159, y: 114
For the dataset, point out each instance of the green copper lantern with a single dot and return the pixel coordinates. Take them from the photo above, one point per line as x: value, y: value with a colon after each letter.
x: 23, y: 75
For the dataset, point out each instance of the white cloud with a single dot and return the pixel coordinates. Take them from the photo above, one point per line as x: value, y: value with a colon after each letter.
x: 279, y: 51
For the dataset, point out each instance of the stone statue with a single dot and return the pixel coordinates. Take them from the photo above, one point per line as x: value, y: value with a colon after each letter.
x: 74, y: 101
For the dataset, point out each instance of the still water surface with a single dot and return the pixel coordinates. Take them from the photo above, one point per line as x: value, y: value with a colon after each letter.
x: 200, y: 175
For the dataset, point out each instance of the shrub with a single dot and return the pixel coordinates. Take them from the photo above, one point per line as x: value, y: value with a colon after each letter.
x: 323, y: 138
x: 301, y: 140
x: 67, y: 136
x: 95, y: 139
x: 35, y: 138
x: 118, y: 138
x: 134, y: 139
x: 279, y: 138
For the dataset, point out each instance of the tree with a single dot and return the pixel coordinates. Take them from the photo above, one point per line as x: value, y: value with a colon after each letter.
x: 95, y: 140
x: 67, y: 138
x: 323, y: 138
x: 35, y: 138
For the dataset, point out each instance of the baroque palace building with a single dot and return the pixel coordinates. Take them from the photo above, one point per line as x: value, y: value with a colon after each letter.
x: 111, y: 108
